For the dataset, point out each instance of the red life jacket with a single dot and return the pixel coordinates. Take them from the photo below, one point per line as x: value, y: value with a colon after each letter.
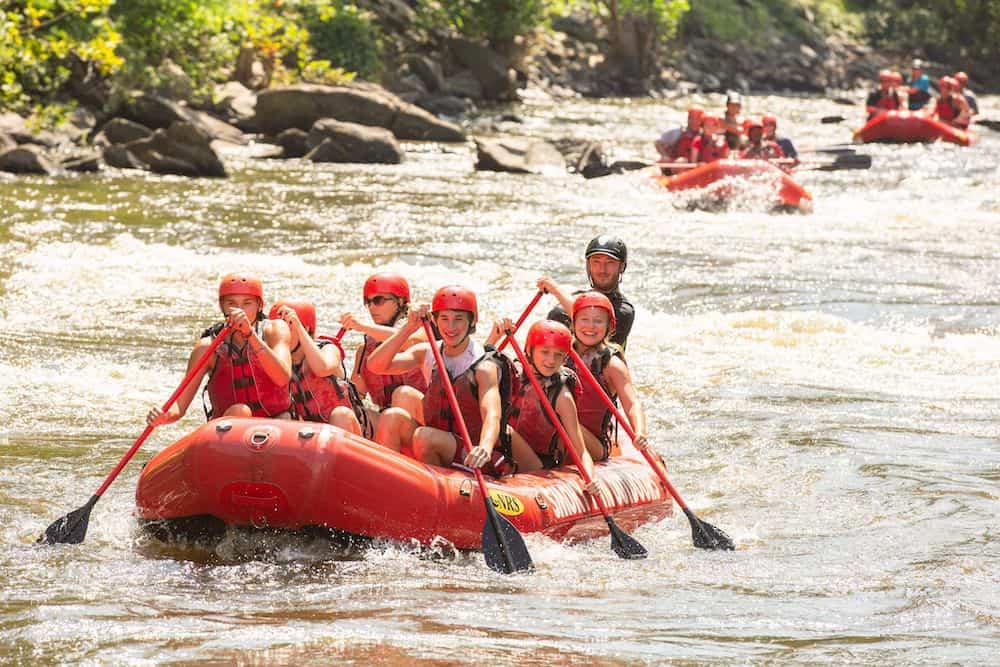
x: 314, y: 397
x: 682, y: 149
x: 380, y: 387
x: 590, y: 409
x: 528, y: 417
x: 712, y: 150
x: 768, y: 150
x: 945, y: 111
x: 887, y: 101
x: 437, y: 410
x: 238, y: 377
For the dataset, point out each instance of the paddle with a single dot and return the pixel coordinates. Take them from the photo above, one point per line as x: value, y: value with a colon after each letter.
x: 704, y: 534
x: 991, y: 124
x: 829, y: 120
x: 622, y: 543
x: 524, y: 316
x: 503, y: 546
x: 844, y: 163
x: 72, y: 528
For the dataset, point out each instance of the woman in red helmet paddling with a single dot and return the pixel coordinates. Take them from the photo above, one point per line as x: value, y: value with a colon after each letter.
x: 534, y: 441
x: 387, y: 298
x: 480, y: 377
x: 593, y: 324
x: 317, y: 386
x: 884, y: 98
x: 249, y: 373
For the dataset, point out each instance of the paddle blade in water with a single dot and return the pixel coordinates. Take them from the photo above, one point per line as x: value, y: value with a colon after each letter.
x: 623, y: 544
x: 503, y: 546
x: 72, y: 528
x: 707, y: 536
x: 849, y: 162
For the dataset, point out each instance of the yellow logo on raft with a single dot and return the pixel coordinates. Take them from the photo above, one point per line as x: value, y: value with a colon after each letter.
x: 506, y: 504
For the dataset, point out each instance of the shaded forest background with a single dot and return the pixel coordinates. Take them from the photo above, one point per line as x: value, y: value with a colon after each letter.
x: 55, y: 54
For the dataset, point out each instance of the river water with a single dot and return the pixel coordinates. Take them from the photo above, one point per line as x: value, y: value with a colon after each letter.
x: 823, y: 387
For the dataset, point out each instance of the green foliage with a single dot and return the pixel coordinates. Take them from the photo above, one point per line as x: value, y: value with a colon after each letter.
x: 966, y: 31
x: 496, y: 21
x: 664, y: 15
x: 41, y: 39
x: 343, y: 35
x: 755, y: 23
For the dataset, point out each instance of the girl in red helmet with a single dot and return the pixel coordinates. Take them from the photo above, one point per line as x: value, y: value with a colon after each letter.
x: 249, y: 373
x: 593, y: 323
x: 480, y: 377
x: 317, y: 386
x: 951, y: 106
x: 387, y: 298
x: 759, y: 148
x: 534, y: 442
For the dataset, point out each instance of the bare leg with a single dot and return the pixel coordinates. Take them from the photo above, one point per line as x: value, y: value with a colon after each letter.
x: 395, y: 429
x: 594, y: 446
x: 343, y: 417
x: 434, y: 446
x: 524, y: 456
x: 238, y: 410
x: 411, y: 400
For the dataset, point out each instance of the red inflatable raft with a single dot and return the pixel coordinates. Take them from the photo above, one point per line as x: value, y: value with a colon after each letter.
x: 291, y: 475
x: 901, y: 127
x: 787, y: 193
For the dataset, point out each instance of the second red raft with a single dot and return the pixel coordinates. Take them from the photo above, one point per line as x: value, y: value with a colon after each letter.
x: 786, y: 192
x: 909, y: 127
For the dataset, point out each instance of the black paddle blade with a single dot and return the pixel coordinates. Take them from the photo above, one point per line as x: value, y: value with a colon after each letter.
x: 503, y: 546
x: 623, y: 544
x: 829, y: 120
x: 707, y: 536
x: 848, y: 162
x: 72, y: 528
x: 837, y: 151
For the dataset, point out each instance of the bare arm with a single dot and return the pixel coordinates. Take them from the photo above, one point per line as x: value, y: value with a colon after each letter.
x: 391, y: 358
x: 566, y: 410
x: 273, y: 352
x: 180, y: 406
x: 378, y: 331
x: 547, y: 284
x: 620, y: 379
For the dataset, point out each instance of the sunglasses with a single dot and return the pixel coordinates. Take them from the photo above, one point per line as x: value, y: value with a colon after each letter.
x: 378, y: 300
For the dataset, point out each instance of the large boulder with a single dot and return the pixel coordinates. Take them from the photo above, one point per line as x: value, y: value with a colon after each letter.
x: 121, y: 131
x: 333, y: 141
x: 489, y: 67
x: 182, y: 149
x: 518, y: 155
x: 302, y: 105
x: 235, y: 102
x: 27, y: 159
x: 294, y: 142
x: 428, y: 71
x: 86, y: 161
x: 11, y: 122
x: 157, y: 112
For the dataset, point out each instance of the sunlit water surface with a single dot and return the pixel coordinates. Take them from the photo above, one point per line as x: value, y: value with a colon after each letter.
x: 823, y: 387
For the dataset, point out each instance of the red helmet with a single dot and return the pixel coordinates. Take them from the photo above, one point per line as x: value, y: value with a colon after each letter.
x: 549, y: 332
x: 885, y: 75
x: 962, y: 78
x: 897, y: 77
x: 387, y: 283
x: 304, y: 309
x: 455, y: 297
x: 944, y: 82
x: 595, y: 300
x: 695, y: 110
x: 769, y: 119
x: 241, y: 283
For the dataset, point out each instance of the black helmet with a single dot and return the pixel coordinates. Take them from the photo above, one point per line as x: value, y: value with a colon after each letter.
x: 611, y: 246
